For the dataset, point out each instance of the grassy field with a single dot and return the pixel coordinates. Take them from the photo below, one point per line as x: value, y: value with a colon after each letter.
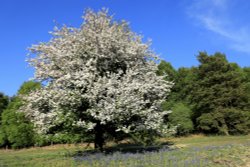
x: 186, y: 151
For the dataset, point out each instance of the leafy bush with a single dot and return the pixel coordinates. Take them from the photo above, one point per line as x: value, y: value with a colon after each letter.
x: 42, y: 140
x: 212, y: 123
x: 66, y: 138
x: 16, y: 129
x: 225, y: 121
x: 145, y: 138
x: 238, y: 121
x: 181, y: 117
x: 3, y: 138
x: 60, y: 138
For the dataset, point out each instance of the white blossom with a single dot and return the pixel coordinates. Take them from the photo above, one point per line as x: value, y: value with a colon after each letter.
x: 104, y: 65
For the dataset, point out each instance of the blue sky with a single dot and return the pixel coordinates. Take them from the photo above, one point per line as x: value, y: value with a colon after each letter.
x: 178, y: 29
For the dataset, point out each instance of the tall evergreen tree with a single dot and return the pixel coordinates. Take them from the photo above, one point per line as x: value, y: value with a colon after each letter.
x: 218, y: 88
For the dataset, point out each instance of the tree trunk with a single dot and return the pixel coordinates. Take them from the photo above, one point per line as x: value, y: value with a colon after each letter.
x: 99, y: 140
x: 224, y: 129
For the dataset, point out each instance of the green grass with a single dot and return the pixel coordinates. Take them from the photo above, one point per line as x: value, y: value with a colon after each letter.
x: 187, y: 151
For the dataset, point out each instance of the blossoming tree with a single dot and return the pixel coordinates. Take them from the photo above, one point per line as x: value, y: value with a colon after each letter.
x: 100, y: 74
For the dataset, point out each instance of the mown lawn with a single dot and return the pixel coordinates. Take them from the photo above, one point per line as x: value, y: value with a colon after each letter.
x: 186, y: 151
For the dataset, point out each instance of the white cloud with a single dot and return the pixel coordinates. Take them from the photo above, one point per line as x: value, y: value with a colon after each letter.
x: 214, y: 16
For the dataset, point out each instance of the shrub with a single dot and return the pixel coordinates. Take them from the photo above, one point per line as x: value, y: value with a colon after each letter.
x: 225, y: 121
x: 181, y: 117
x: 238, y: 121
x: 16, y: 130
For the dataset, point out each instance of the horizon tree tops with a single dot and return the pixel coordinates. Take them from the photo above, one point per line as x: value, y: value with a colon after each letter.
x: 100, y: 74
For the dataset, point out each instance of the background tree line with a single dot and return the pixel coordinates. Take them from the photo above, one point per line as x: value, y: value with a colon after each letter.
x: 212, y: 98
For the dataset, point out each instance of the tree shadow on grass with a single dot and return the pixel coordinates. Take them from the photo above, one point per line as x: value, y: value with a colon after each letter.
x: 126, y: 148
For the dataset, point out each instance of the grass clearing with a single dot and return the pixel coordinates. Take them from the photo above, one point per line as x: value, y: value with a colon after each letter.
x: 196, y: 150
